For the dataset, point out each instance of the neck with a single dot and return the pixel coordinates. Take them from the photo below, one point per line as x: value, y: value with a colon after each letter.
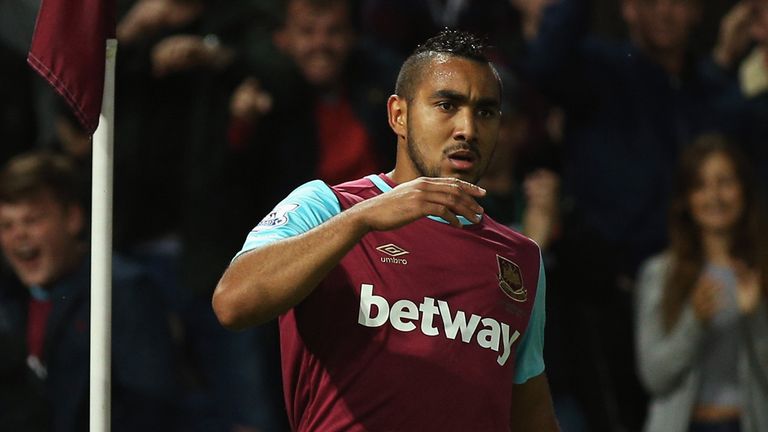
x: 717, y: 247
x: 70, y: 266
x: 404, y: 170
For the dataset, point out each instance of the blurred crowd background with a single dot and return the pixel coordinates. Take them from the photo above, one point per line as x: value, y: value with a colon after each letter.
x: 223, y: 107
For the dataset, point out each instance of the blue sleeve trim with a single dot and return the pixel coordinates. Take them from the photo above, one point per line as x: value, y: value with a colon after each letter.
x: 306, y: 207
x: 379, y: 183
x: 530, y: 352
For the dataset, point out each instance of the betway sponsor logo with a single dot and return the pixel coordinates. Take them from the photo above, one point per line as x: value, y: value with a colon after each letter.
x: 403, y: 315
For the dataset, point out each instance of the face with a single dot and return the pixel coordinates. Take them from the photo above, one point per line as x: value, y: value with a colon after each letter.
x: 39, y: 238
x: 318, y: 40
x: 661, y: 25
x: 717, y: 203
x: 453, y: 119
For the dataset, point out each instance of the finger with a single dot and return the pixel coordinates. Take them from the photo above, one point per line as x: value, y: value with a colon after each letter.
x: 443, y: 212
x: 463, y: 205
x: 467, y: 187
x: 456, y: 200
x: 451, y: 199
x: 453, y: 187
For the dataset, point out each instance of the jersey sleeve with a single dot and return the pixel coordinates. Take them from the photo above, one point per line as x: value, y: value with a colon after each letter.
x: 530, y: 353
x: 306, y: 207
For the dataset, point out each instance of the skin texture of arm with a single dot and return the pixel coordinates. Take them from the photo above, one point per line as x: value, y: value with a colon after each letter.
x: 532, y: 409
x: 266, y: 282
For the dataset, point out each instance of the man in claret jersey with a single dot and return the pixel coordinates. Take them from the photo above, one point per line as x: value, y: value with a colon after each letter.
x: 402, y: 306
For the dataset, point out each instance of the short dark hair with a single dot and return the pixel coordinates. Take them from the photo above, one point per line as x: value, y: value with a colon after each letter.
x: 447, y: 42
x: 31, y: 174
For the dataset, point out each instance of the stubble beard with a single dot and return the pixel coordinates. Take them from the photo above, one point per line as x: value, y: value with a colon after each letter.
x: 417, y: 158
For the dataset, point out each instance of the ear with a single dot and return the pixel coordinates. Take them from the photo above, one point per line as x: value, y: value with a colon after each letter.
x: 75, y: 219
x: 397, y: 113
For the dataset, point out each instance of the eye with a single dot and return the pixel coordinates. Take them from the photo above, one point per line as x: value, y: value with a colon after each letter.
x: 446, y: 106
x: 487, y: 113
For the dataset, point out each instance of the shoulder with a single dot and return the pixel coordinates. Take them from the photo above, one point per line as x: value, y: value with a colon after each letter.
x: 352, y: 192
x: 310, y: 196
x: 655, y: 266
x: 511, y: 236
x: 651, y: 277
x: 355, y: 186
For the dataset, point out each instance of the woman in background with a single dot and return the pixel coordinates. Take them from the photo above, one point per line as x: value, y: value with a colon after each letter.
x: 702, y: 320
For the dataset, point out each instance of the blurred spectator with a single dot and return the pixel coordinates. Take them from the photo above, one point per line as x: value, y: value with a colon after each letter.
x: 750, y: 19
x: 702, y: 311
x: 41, y: 226
x: 184, y: 59
x: 333, y: 87
x: 629, y: 106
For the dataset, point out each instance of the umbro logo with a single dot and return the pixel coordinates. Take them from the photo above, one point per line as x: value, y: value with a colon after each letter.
x: 394, y: 251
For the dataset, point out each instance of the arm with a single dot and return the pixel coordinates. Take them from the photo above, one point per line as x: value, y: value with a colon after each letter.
x: 532, y: 406
x: 531, y: 401
x: 734, y: 37
x: 663, y: 357
x: 541, y: 211
x: 754, y: 319
x: 756, y: 335
x: 267, y: 281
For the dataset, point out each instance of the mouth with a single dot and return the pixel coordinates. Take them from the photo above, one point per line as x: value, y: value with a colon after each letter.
x: 463, y: 160
x: 26, y: 254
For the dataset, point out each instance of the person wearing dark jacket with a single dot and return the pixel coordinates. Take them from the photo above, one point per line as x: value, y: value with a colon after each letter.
x: 41, y: 224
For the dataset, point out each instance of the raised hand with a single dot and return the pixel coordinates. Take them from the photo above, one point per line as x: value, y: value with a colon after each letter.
x: 443, y: 197
x: 249, y: 101
x: 734, y: 38
x: 179, y: 53
x: 541, y: 211
x: 748, y: 288
x: 706, y: 298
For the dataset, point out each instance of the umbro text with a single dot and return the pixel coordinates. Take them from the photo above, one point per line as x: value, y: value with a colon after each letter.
x: 392, y: 260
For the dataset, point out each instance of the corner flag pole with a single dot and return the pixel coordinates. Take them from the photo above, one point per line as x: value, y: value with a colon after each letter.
x: 101, y: 253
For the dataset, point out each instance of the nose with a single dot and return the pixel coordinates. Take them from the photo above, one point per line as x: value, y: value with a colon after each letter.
x: 465, y: 128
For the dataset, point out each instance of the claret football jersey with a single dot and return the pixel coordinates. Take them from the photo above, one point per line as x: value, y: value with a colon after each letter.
x: 422, y: 328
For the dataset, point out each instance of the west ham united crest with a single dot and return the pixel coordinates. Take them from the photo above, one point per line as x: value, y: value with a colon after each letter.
x: 510, y: 280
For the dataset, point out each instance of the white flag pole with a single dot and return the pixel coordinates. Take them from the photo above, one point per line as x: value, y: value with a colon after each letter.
x: 101, y: 253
